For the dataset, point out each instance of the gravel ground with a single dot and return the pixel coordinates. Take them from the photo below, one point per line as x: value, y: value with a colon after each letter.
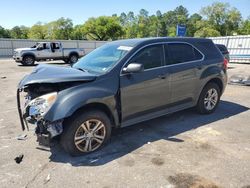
x: 181, y: 150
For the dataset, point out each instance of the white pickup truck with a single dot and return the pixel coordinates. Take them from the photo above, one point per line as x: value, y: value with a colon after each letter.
x: 47, y: 51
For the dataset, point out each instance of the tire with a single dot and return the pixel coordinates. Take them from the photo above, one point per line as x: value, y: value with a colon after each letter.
x: 73, y: 58
x: 28, y: 60
x: 209, y: 99
x: 79, y: 137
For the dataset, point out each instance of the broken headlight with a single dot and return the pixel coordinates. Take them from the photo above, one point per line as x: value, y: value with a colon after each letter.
x: 41, y: 105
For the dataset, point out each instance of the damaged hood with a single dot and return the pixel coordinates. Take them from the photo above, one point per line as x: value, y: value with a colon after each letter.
x: 55, y: 74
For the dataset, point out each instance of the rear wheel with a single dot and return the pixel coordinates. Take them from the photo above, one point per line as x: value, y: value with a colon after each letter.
x: 28, y: 60
x: 209, y: 99
x: 85, y: 133
x: 73, y: 58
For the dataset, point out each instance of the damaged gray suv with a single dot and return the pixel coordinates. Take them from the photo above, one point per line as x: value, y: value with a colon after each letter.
x: 120, y: 84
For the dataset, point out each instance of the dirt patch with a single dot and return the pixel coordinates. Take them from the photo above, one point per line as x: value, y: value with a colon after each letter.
x: 157, y: 161
x: 129, y: 162
x: 184, y: 180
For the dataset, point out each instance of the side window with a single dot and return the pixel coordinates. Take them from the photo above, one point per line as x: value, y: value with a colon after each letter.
x: 180, y: 52
x: 150, y: 57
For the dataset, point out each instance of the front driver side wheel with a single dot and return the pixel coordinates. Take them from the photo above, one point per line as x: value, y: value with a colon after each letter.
x: 28, y: 60
x: 85, y: 132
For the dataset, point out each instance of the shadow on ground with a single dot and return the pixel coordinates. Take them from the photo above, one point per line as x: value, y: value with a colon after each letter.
x: 126, y: 140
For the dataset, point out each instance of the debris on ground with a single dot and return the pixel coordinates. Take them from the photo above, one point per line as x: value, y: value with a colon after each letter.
x: 22, y: 137
x: 19, y: 159
x: 47, y: 179
x: 149, y: 143
x: 240, y: 79
x: 3, y: 77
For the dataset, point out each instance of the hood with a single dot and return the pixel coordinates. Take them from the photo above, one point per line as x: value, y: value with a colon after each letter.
x: 55, y: 74
x: 24, y: 49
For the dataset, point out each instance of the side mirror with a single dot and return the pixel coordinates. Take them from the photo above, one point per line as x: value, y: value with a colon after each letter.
x: 39, y: 49
x: 133, y: 68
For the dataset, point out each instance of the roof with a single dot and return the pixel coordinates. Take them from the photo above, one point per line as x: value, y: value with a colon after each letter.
x: 137, y: 41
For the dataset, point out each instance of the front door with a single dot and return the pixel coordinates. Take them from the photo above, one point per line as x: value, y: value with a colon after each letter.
x: 147, y: 91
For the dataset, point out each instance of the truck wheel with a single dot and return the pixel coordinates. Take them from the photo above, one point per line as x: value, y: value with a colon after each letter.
x: 73, y: 58
x: 86, y: 132
x: 28, y: 60
x: 209, y: 99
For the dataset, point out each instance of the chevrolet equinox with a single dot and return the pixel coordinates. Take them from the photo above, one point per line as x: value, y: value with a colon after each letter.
x: 119, y: 84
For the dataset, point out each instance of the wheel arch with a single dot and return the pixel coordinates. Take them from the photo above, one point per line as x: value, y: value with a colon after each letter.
x: 73, y: 53
x: 217, y: 81
x: 29, y: 54
x: 95, y: 106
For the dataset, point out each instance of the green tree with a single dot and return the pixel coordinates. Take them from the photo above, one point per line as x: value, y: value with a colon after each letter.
x: 19, y: 32
x: 245, y: 27
x: 4, y: 33
x: 222, y: 17
x: 37, y: 31
x: 59, y: 29
x: 103, y: 28
x: 192, y: 24
x: 78, y: 33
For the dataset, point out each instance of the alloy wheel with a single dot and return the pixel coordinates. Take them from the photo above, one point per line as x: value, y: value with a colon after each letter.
x: 90, y: 135
x: 211, y: 99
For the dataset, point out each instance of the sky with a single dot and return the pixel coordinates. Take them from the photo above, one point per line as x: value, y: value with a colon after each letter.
x: 29, y: 12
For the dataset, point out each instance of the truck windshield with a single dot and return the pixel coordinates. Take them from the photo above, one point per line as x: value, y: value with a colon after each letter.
x: 102, y: 59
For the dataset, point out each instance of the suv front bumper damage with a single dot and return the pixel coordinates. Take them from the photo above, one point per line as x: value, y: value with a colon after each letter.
x: 45, y: 130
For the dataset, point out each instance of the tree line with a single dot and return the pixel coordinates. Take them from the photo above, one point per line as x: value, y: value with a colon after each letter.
x: 217, y: 19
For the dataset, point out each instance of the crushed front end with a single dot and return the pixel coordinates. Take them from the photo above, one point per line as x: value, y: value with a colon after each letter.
x: 32, y: 107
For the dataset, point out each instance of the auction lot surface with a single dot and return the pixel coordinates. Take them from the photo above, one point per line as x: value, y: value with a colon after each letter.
x: 184, y: 149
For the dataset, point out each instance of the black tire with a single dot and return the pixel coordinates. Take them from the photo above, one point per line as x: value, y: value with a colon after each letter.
x: 73, y: 126
x: 73, y: 58
x: 202, y: 105
x: 28, y: 60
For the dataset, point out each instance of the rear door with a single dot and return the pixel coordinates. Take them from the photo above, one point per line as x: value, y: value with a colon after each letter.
x: 147, y: 91
x: 56, y: 50
x: 185, y: 63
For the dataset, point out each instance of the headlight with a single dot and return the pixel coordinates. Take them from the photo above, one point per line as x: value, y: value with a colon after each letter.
x: 42, y: 104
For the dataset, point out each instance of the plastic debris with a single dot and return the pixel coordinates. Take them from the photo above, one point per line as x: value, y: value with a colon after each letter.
x: 47, y: 179
x: 240, y: 79
x: 22, y: 137
x: 3, y: 77
x: 149, y: 143
x: 19, y: 158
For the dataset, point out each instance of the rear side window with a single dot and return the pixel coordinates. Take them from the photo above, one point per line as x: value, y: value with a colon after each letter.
x: 180, y: 52
x: 150, y: 57
x: 208, y: 49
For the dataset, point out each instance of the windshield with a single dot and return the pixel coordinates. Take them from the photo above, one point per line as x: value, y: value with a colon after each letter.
x: 102, y: 59
x: 35, y: 45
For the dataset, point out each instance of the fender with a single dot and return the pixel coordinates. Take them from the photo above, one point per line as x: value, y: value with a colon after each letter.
x: 211, y: 71
x: 28, y: 53
x: 72, y: 99
x: 74, y: 52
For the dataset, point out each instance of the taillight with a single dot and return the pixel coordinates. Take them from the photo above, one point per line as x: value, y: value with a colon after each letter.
x: 225, y: 63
